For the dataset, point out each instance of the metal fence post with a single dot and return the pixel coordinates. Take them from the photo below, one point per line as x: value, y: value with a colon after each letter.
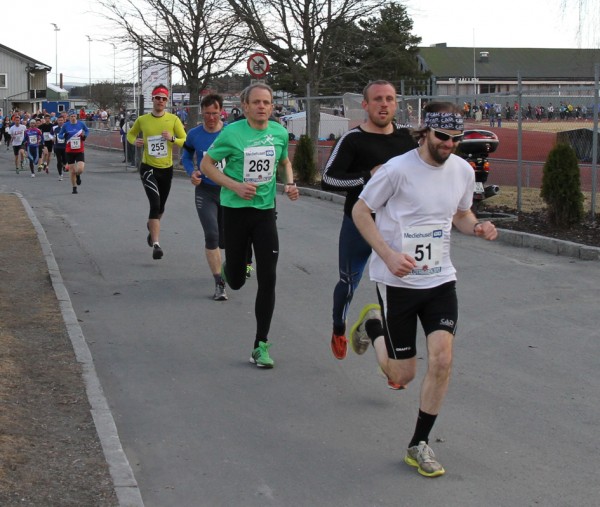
x: 595, y: 140
x: 519, y: 143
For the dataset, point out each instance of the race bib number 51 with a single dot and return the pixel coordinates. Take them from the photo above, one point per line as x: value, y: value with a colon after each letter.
x: 259, y: 164
x: 425, y: 244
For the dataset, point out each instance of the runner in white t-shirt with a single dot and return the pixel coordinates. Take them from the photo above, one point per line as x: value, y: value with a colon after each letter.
x: 417, y: 197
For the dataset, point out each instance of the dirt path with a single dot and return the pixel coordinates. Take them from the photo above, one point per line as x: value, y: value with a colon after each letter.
x: 50, y: 454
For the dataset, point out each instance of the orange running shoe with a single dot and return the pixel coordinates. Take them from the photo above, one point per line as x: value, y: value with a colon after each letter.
x: 339, y: 346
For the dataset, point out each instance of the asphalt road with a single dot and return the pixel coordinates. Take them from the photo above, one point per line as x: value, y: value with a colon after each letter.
x: 202, y: 427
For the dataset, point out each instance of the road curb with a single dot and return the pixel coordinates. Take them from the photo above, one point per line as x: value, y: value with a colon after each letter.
x: 124, y: 482
x: 507, y: 236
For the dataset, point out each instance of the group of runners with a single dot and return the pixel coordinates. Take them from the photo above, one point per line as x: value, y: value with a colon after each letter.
x: 34, y: 140
x: 406, y: 189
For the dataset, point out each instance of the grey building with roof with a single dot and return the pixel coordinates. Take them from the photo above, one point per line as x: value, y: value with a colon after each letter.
x: 23, y: 81
x: 466, y: 71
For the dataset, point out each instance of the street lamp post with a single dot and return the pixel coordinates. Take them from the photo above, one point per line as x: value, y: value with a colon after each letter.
x: 56, y: 30
x: 90, y: 65
x: 114, y: 63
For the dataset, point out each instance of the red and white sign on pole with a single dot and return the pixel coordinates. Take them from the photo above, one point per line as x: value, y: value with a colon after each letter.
x: 258, y: 65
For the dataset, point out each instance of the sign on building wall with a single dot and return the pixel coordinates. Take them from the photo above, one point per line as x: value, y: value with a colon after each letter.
x: 153, y: 74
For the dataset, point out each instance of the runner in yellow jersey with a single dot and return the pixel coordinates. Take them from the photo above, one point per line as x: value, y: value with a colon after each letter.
x: 161, y: 130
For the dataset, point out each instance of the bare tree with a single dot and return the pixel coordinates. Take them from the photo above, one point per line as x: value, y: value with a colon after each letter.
x: 588, y: 20
x: 201, y: 38
x: 302, y: 36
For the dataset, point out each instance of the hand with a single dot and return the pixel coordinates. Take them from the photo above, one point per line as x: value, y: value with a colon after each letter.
x: 139, y: 142
x: 400, y: 264
x: 486, y: 230
x: 167, y: 136
x: 245, y: 190
x: 196, y: 179
x: 292, y: 192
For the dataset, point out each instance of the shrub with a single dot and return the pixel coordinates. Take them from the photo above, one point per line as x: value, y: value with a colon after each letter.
x: 304, y: 164
x: 561, y: 186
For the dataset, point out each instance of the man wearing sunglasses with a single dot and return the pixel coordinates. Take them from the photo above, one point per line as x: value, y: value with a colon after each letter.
x: 417, y: 198
x: 161, y: 130
x: 353, y: 161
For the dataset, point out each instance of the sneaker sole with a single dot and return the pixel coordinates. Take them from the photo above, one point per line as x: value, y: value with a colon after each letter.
x: 258, y: 365
x: 222, y: 298
x: 356, y: 325
x: 414, y: 463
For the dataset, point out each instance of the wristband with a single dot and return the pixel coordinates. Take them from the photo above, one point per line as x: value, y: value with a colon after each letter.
x: 292, y: 184
x: 173, y: 139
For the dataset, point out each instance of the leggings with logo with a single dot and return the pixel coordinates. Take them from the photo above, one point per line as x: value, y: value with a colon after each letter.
x: 157, y: 184
x: 256, y: 227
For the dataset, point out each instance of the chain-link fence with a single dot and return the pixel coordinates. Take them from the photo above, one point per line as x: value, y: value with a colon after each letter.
x: 527, y: 124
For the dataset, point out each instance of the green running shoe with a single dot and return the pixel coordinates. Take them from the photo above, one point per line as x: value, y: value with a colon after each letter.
x: 260, y: 356
x: 422, y: 457
x: 249, y: 270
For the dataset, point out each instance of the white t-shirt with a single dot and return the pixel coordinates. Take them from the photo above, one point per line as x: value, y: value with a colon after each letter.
x: 415, y: 203
x: 18, y: 133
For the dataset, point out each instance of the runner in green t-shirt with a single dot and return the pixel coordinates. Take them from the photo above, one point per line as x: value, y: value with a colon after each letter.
x: 253, y: 149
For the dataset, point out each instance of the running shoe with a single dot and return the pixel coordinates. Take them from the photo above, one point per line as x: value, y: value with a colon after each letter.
x: 339, y: 345
x: 249, y: 270
x: 78, y: 179
x: 422, y: 457
x: 32, y: 175
x: 260, y: 356
x: 358, y: 334
x: 220, y: 293
x: 17, y: 170
x: 74, y: 190
x: 157, y: 252
x: 40, y: 167
x: 46, y: 168
x: 60, y: 178
x: 390, y: 384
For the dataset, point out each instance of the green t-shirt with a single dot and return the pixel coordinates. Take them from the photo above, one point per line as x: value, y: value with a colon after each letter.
x: 251, y: 155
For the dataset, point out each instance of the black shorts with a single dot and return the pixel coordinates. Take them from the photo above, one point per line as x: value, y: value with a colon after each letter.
x: 17, y: 149
x: 75, y: 157
x: 49, y: 145
x: 436, y: 309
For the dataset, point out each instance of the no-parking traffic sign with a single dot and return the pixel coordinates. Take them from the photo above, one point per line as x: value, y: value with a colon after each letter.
x: 258, y: 65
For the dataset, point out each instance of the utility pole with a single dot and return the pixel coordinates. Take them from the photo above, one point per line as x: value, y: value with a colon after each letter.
x: 56, y: 30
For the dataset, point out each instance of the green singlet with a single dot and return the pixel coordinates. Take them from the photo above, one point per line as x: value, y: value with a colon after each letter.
x: 252, y: 156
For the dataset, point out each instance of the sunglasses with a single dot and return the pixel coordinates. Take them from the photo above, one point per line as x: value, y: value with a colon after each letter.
x: 162, y: 99
x: 442, y: 136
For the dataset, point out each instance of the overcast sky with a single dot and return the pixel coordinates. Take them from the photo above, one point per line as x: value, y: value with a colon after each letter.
x: 459, y: 23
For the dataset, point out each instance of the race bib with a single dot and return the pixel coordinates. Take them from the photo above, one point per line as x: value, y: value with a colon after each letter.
x: 75, y: 143
x: 33, y: 139
x: 47, y: 136
x: 157, y: 147
x: 18, y: 139
x: 219, y: 165
x: 425, y: 244
x: 259, y: 164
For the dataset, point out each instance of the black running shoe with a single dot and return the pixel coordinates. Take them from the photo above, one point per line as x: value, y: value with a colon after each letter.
x: 157, y: 252
x: 74, y: 190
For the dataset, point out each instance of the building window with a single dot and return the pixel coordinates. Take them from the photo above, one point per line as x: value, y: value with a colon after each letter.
x: 3, y: 80
x: 487, y: 88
